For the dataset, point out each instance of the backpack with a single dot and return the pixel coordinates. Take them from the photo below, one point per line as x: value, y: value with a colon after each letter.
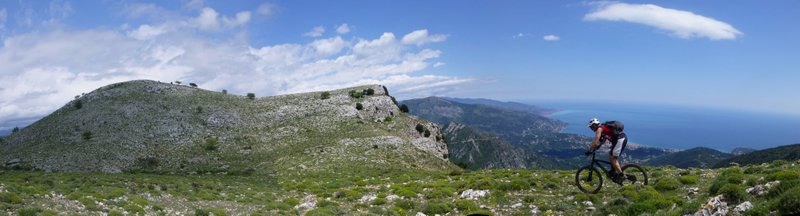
x: 616, y: 127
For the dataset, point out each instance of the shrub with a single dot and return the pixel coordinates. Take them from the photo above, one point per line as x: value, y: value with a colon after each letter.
x: 9, y: 197
x: 178, y: 82
x: 356, y: 94
x: 420, y: 128
x: 783, y: 175
x: 405, y: 192
x: 210, y: 144
x: 16, y: 129
x: 404, y: 108
x: 688, y: 179
x: 514, y: 185
x: 466, y: 205
x: 733, y: 193
x: 778, y: 163
x: 427, y: 133
x: 393, y: 99
x: 379, y: 201
x: 325, y: 95
x: 224, y: 91
x: 325, y: 203
x: 115, y: 213
x: 29, y: 211
x: 789, y: 204
x: 783, y: 187
x: 291, y: 202
x: 359, y: 106
x: 78, y: 104
x: 369, y: 91
x: 757, y: 210
x: 193, y: 85
x: 131, y: 208
x: 86, y: 135
x: 667, y: 184
x: 436, y: 208
x: 405, y: 204
x: 251, y: 96
x: 198, y: 110
x: 439, y: 192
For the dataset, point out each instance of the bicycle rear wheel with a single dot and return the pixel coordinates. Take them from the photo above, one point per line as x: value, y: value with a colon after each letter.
x: 634, y: 174
x: 588, y: 179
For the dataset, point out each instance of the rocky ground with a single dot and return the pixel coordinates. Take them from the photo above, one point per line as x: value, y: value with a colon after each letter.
x: 766, y: 189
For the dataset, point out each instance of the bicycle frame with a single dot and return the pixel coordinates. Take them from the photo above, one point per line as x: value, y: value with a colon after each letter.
x: 597, y: 163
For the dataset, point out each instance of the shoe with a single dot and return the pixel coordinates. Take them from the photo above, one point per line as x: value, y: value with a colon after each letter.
x: 618, y: 179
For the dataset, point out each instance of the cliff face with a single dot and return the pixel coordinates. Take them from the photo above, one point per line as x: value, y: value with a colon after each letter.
x: 151, y: 126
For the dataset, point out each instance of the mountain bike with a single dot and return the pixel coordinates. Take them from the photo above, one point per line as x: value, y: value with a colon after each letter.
x: 589, y: 180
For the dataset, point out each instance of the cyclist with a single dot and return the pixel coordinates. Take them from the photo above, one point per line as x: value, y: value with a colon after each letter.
x: 609, y: 131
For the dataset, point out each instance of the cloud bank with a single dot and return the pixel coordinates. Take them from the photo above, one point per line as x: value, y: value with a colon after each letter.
x: 43, y: 70
x: 682, y: 24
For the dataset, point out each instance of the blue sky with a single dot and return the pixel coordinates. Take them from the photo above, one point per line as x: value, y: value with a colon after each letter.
x: 731, y: 54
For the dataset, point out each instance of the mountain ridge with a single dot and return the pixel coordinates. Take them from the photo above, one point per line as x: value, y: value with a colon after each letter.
x: 145, y: 125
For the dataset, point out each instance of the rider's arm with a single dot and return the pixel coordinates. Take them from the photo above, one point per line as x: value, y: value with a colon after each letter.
x: 595, y: 143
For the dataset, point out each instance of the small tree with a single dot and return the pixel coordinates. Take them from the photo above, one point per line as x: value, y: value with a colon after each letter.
x: 86, y: 135
x: 78, y: 104
x: 325, y: 95
x: 427, y: 133
x: 199, y: 109
x: 369, y: 91
x: 224, y: 91
x: 420, y: 128
x: 251, y: 96
x: 356, y: 94
x: 359, y: 106
x: 394, y: 100
x: 211, y: 144
x: 193, y: 85
x: 404, y: 108
x: 178, y: 82
x: 16, y: 129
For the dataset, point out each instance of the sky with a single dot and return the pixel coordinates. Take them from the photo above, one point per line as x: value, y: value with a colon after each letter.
x: 741, y: 55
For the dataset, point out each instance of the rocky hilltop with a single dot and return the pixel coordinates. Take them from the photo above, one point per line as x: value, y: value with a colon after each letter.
x: 151, y: 126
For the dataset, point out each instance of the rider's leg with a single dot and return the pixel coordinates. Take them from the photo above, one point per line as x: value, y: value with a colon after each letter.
x: 615, y: 164
x: 616, y: 151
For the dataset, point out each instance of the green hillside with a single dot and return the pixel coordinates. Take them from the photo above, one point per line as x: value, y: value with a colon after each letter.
x: 699, y: 157
x: 787, y: 152
x: 148, y: 126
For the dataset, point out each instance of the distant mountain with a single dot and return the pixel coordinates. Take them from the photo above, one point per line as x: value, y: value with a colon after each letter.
x: 474, y: 149
x: 504, y: 105
x: 538, y: 136
x: 741, y: 151
x: 699, y: 157
x: 787, y: 152
x: 161, y: 127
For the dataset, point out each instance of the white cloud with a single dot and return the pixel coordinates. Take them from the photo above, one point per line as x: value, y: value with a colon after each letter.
x: 266, y: 9
x: 682, y: 24
x: 145, y: 31
x: 43, y: 70
x: 210, y: 20
x: 438, y: 64
x: 196, y: 4
x: 241, y: 19
x: 551, y: 38
x: 207, y: 20
x: 518, y: 35
x: 420, y: 37
x: 343, y: 29
x: 316, y: 32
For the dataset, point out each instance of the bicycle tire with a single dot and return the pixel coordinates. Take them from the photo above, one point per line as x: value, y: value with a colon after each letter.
x: 591, y: 174
x: 637, y: 171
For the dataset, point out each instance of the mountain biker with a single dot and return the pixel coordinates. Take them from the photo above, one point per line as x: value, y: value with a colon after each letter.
x: 609, y: 131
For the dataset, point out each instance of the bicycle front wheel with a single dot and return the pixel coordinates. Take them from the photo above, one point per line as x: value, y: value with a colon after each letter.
x: 588, y: 179
x: 634, y: 175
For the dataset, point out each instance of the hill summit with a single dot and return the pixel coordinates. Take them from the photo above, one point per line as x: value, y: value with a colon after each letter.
x: 152, y: 126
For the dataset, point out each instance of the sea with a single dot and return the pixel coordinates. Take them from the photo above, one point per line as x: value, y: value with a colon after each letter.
x: 679, y: 127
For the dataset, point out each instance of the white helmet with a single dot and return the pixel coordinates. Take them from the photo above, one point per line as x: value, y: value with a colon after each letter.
x: 593, y: 121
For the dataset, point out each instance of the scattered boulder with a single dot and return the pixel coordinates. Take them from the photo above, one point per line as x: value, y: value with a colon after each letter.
x: 743, y: 207
x: 367, y: 198
x: 516, y: 206
x: 13, y: 162
x: 760, y: 190
x: 715, y: 206
x: 474, y: 194
x: 420, y: 214
x: 588, y: 203
x: 694, y: 190
x: 392, y: 197
x: 534, y: 209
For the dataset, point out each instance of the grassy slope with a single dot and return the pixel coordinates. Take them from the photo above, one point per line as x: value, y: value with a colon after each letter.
x: 551, y: 192
x: 158, y: 127
x: 699, y: 157
x: 787, y: 152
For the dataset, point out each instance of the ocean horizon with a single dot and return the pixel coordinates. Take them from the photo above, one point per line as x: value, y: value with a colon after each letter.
x: 679, y: 127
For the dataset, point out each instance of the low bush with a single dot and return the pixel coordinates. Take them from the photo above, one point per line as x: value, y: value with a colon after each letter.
x: 514, y: 185
x: 688, y: 179
x: 789, y: 204
x: 356, y: 94
x: 86, y: 135
x: 436, y: 207
x: 466, y: 205
x: 783, y: 175
x: 379, y: 201
x: 210, y: 144
x: 325, y: 95
x: 420, y: 128
x: 404, y: 108
x: 369, y: 91
x: 733, y: 193
x: 359, y: 106
x: 667, y: 184
x: 405, y: 192
x: 439, y: 192
x: 251, y: 96
x: 405, y: 204
x: 9, y: 197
